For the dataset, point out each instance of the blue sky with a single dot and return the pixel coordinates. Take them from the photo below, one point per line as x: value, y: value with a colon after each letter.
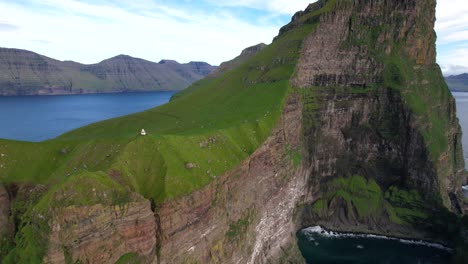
x: 89, y: 31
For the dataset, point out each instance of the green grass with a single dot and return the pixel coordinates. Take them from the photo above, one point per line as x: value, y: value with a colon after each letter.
x: 129, y: 258
x: 83, y: 189
x: 237, y: 229
x: 359, y: 193
x: 364, y: 195
x: 408, y: 204
x: 404, y: 207
x: 294, y: 155
x: 213, y: 127
x: 238, y: 108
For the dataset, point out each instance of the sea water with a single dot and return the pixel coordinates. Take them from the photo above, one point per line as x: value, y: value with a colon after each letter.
x: 461, y: 100
x: 322, y: 247
x: 37, y: 118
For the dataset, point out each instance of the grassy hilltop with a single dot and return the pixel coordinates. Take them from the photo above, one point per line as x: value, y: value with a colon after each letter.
x: 190, y: 140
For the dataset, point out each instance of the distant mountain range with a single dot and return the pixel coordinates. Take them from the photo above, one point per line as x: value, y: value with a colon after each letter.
x: 24, y: 72
x: 458, y: 83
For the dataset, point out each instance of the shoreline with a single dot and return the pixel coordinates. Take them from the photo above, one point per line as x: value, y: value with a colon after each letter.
x: 86, y: 93
x: 335, y: 234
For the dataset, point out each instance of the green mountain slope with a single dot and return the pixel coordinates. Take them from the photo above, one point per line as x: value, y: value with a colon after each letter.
x: 245, y: 55
x: 211, y: 129
x: 26, y: 73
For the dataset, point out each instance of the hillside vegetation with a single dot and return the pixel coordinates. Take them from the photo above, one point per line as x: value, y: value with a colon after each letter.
x: 190, y: 140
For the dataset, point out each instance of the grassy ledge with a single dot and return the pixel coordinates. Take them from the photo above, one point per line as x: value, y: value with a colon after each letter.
x: 190, y: 140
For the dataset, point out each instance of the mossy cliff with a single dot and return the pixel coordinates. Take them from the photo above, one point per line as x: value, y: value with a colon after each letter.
x: 381, y: 108
x: 344, y: 120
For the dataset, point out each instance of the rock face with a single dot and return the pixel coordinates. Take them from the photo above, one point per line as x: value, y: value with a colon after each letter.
x: 27, y: 73
x: 348, y: 58
x: 102, y: 234
x: 245, y: 216
x: 5, y: 224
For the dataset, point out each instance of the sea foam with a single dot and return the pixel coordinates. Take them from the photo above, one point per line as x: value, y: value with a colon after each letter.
x: 326, y: 233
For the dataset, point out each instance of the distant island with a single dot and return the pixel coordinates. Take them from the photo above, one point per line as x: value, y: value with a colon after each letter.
x: 24, y: 72
x: 457, y: 83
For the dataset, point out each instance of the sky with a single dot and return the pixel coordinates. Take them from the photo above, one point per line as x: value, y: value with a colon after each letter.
x: 89, y: 31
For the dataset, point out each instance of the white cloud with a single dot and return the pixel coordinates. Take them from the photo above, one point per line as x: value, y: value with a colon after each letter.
x: 90, y: 31
x: 452, y: 35
x: 454, y: 69
x: 275, y: 6
x: 5, y: 26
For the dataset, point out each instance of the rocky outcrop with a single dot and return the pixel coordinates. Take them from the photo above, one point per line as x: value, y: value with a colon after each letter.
x: 102, y: 234
x: 245, y: 55
x: 5, y: 222
x: 339, y: 52
x: 342, y: 52
x: 28, y: 73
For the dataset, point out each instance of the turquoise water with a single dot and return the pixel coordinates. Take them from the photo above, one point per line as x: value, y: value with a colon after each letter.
x: 318, y: 248
x: 37, y: 118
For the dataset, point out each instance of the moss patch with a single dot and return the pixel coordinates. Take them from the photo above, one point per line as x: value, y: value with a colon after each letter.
x: 129, y: 258
x: 366, y: 198
x: 238, y: 228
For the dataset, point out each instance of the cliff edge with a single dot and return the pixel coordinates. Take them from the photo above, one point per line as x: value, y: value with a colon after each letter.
x: 343, y: 121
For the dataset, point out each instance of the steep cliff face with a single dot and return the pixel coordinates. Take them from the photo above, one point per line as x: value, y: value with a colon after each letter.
x: 387, y: 47
x: 102, y: 234
x: 6, y: 226
x: 245, y: 216
x: 367, y: 140
x: 27, y: 73
x: 380, y: 145
x: 89, y: 218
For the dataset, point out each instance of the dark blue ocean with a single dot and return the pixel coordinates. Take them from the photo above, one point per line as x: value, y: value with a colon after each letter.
x: 325, y: 248
x: 37, y: 118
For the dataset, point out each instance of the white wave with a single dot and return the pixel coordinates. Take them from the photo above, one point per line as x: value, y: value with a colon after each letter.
x: 325, y: 233
x: 360, y: 246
